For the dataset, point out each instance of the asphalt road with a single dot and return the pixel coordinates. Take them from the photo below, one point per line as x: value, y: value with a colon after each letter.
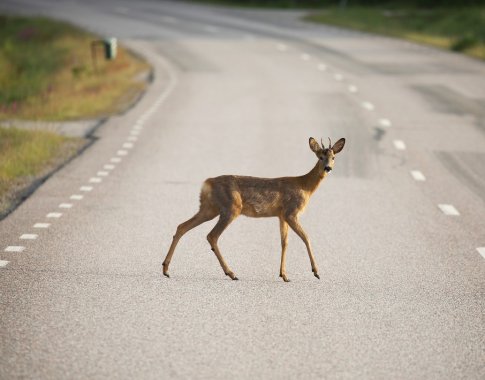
x: 401, y: 294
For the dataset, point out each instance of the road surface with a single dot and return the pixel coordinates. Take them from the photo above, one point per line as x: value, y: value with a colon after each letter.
x: 397, y: 228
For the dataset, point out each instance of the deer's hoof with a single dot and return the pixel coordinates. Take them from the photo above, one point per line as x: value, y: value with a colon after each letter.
x: 285, y: 279
x: 166, y: 275
x: 235, y: 278
x: 317, y: 275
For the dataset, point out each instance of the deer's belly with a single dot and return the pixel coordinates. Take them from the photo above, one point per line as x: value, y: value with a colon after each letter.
x: 262, y: 206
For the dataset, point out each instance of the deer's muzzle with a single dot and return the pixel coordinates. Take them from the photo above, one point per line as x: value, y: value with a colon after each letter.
x: 328, y: 169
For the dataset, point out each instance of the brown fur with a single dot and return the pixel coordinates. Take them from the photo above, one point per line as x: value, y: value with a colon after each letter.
x: 230, y: 196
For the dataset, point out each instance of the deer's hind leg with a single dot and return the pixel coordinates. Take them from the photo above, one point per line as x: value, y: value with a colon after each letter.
x: 199, y: 218
x: 224, y: 220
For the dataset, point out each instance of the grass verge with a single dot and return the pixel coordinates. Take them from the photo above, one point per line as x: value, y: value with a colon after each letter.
x: 25, y: 157
x: 460, y: 29
x: 46, y: 72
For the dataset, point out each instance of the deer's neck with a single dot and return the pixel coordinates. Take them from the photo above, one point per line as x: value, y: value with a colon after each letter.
x: 312, y: 179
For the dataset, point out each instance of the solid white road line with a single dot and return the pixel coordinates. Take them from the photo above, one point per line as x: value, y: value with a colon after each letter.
x: 76, y: 197
x: 42, y: 225
x: 417, y: 175
x: 65, y: 205
x: 115, y: 159
x: 353, y: 88
x: 3, y: 263
x: 368, y: 106
x: 86, y: 188
x: 109, y: 167
x: 29, y: 236
x: 385, y: 123
x: 14, y: 248
x: 448, y: 209
x: 54, y: 215
x: 481, y: 251
x: 399, y: 145
x: 102, y: 173
x: 95, y: 180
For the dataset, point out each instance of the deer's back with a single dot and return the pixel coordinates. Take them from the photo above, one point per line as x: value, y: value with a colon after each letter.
x: 254, y: 196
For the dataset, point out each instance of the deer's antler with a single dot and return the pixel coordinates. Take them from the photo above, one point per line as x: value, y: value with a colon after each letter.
x: 321, y: 141
x: 330, y: 143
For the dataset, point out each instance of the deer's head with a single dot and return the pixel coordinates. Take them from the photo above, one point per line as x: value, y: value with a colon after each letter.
x: 326, y: 155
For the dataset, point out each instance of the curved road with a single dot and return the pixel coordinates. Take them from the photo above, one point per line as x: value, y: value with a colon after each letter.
x: 396, y: 228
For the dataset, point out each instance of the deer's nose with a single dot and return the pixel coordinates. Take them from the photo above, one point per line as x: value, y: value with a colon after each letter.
x: 328, y: 169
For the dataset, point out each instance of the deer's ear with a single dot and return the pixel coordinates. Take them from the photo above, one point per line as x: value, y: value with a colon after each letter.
x: 314, y: 145
x: 338, y: 146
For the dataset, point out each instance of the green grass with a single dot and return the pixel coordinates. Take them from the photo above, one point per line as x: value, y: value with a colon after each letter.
x: 46, y: 72
x: 26, y: 156
x: 460, y: 29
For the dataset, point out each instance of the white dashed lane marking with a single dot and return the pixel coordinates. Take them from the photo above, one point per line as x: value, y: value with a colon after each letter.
x: 132, y: 138
x: 128, y: 145
x: 305, y: 57
x: 102, y: 173
x: 86, y: 188
x: 3, y: 263
x: 481, y: 251
x: 109, y: 167
x: 76, y: 197
x: 95, y: 180
x: 322, y: 67
x: 399, y: 145
x: 115, y: 159
x: 338, y: 77
x: 42, y: 225
x: 29, y: 236
x: 368, y: 106
x: 14, y: 248
x: 122, y: 152
x: 54, y: 214
x: 417, y: 175
x: 65, y: 205
x: 385, y: 123
x: 353, y: 88
x: 448, y: 209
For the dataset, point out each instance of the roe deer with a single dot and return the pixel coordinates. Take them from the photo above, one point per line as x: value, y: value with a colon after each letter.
x: 230, y: 196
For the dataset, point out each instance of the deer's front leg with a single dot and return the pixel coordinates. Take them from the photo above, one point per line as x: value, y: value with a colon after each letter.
x: 284, y: 243
x: 295, y: 226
